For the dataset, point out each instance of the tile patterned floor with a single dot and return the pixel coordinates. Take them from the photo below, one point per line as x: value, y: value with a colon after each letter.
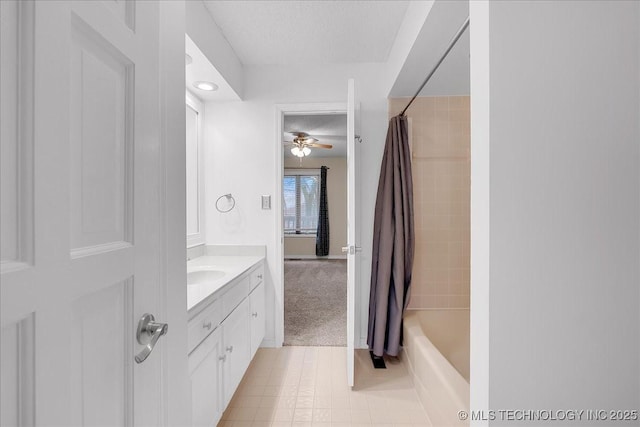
x: 307, y: 387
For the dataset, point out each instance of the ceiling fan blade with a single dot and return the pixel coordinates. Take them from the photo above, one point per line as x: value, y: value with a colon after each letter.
x: 320, y: 145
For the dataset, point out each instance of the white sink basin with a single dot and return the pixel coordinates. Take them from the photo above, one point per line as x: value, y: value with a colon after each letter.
x: 204, y: 276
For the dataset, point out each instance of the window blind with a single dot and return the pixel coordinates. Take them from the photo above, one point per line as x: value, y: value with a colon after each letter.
x: 301, y: 193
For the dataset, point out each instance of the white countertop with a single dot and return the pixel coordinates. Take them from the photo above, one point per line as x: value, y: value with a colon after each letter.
x: 232, y: 266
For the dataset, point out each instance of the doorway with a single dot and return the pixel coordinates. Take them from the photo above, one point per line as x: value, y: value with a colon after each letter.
x: 351, y: 248
x: 282, y: 111
x: 314, y: 211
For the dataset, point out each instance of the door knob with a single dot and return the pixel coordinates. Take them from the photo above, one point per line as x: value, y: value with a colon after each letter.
x: 149, y: 332
x: 351, y: 249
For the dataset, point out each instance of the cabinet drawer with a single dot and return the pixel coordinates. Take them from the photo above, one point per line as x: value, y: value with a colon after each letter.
x: 257, y: 275
x: 234, y: 296
x: 204, y: 322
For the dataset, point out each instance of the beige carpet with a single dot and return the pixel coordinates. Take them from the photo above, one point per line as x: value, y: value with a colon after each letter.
x: 315, y: 302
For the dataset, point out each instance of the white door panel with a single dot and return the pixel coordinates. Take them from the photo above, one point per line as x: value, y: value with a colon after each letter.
x: 353, y: 249
x: 86, y: 261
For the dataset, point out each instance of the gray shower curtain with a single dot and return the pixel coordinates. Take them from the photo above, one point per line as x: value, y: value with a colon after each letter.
x: 322, y: 235
x: 393, y: 243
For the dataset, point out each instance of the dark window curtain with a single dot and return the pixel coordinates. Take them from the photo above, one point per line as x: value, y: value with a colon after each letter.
x: 393, y: 243
x: 322, y: 236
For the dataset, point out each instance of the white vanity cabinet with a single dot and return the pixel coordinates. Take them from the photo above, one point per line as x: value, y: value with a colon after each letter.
x: 235, y: 336
x: 205, y: 371
x: 256, y: 300
x: 223, y: 337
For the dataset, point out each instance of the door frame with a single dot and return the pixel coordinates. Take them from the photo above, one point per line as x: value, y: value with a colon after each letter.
x: 278, y: 279
x: 176, y: 391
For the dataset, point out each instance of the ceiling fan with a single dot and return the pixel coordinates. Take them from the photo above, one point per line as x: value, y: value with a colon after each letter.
x: 302, y: 144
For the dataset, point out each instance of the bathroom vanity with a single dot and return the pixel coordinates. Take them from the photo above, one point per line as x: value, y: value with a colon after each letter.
x: 226, y: 311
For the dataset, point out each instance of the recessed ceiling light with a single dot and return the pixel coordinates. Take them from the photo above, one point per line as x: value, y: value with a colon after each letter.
x: 187, y: 59
x: 208, y: 86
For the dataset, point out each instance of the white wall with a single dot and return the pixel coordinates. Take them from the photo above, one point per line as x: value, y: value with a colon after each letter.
x: 560, y: 148
x: 241, y: 148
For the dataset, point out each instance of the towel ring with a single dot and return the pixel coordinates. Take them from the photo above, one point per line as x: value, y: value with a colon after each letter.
x: 229, y: 197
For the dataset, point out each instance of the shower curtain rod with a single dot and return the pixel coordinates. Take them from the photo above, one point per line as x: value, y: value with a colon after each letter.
x: 453, y: 42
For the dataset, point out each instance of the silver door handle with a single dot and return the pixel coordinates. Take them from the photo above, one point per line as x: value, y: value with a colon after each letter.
x: 223, y: 358
x: 206, y: 325
x: 149, y: 332
x: 351, y: 249
x: 230, y: 349
x: 255, y: 314
x: 259, y: 276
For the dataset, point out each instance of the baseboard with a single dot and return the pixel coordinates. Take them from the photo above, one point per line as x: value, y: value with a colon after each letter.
x: 292, y: 257
x: 269, y: 343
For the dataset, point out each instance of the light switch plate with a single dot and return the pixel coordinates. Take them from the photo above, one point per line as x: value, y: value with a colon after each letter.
x: 266, y: 202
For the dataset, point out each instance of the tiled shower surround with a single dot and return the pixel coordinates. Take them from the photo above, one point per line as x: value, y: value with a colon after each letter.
x: 440, y: 136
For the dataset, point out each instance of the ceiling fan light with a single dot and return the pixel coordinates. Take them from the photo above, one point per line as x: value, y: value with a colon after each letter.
x: 295, y: 151
x: 306, y: 151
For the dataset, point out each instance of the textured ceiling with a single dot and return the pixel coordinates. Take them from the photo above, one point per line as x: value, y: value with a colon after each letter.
x: 326, y: 128
x: 314, y: 32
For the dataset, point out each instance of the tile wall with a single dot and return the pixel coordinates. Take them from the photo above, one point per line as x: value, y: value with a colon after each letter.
x: 440, y: 136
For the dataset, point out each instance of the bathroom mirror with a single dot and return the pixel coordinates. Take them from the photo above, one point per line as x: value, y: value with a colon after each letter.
x: 194, y: 110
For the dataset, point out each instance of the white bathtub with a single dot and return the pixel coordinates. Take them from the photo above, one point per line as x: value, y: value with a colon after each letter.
x: 436, y: 346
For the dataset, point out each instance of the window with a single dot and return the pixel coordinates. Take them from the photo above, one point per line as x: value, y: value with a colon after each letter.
x: 301, y: 193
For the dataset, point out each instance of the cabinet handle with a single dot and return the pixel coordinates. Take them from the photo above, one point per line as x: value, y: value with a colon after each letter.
x: 230, y: 349
x: 206, y: 325
x: 259, y: 276
x: 255, y: 314
x: 223, y: 358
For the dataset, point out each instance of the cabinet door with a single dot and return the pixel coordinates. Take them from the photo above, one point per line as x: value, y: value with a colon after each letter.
x: 257, y: 318
x: 257, y: 274
x: 205, y: 369
x: 237, y: 343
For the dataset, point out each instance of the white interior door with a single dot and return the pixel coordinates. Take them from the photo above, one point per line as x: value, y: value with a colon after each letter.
x: 82, y: 246
x: 352, y: 248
